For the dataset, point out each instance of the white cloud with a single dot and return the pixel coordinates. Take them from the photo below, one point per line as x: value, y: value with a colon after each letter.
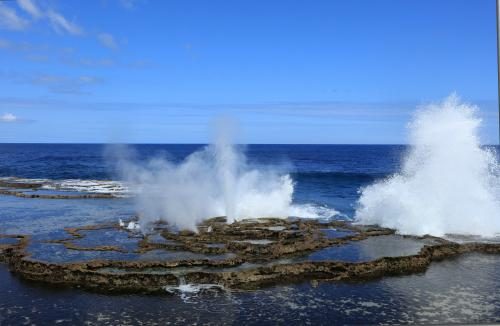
x: 30, y: 7
x: 8, y: 117
x: 61, y: 24
x: 107, y: 40
x: 9, y: 19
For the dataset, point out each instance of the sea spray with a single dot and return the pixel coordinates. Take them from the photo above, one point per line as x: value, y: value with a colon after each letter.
x: 448, y: 182
x: 214, y: 181
x: 228, y: 160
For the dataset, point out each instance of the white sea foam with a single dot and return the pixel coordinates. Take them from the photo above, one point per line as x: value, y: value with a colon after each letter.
x: 448, y: 182
x: 133, y: 226
x: 214, y: 181
x: 91, y: 186
x: 312, y: 211
x: 79, y: 185
x: 192, y: 288
x: 189, y: 291
x: 23, y: 180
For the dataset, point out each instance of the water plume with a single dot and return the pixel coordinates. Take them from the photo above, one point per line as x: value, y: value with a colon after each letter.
x: 214, y: 181
x: 448, y: 183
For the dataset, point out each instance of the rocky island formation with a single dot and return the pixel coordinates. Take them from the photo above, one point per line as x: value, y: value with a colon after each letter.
x: 245, y: 254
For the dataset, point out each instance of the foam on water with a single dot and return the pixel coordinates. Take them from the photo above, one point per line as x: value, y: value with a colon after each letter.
x: 448, y: 183
x: 189, y: 290
x: 91, y: 186
x: 312, y: 211
x: 192, y: 288
x: 23, y: 180
x: 78, y: 185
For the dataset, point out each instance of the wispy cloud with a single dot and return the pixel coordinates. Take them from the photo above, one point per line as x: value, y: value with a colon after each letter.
x: 127, y: 4
x: 12, y: 118
x: 61, y: 25
x: 140, y: 64
x: 333, y: 110
x: 4, y: 44
x: 65, y: 84
x: 61, y: 84
x: 94, y: 63
x: 9, y: 19
x: 8, y: 117
x: 31, y: 8
x: 39, y: 52
x: 107, y: 40
x: 37, y: 58
x: 22, y: 47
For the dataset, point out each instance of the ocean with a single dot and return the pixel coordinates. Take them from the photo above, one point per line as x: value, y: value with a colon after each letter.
x: 326, y: 175
x: 462, y: 290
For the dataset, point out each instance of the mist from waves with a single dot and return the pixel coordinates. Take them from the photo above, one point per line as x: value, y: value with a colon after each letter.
x: 216, y: 180
x: 448, y: 183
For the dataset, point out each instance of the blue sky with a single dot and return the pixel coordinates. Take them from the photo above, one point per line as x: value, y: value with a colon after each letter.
x: 324, y: 71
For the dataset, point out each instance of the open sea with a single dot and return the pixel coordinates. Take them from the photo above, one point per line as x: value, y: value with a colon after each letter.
x: 328, y: 175
x: 461, y: 290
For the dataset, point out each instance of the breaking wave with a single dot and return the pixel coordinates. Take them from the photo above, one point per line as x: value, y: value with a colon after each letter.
x: 448, y: 184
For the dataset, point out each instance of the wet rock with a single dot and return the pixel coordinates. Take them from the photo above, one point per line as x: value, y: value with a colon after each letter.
x: 34, y: 194
x: 256, y: 253
x: 20, y: 185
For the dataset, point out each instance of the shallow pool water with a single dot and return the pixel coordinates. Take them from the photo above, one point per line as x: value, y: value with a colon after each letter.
x: 333, y: 233
x: 369, y: 249
x: 38, y: 216
x: 463, y: 290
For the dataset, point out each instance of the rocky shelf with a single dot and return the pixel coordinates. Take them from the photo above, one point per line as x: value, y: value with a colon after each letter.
x: 241, y: 255
x: 30, y: 189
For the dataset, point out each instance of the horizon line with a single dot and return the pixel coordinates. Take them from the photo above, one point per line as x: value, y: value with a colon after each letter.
x: 204, y: 144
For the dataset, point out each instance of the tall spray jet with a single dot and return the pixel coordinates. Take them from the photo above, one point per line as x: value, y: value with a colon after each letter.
x: 448, y: 183
x: 227, y: 161
x: 214, y: 181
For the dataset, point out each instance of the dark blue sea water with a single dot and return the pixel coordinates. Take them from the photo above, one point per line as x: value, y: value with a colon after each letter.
x: 462, y: 290
x: 327, y: 175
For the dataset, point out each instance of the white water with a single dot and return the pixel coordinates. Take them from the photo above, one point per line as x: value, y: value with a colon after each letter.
x: 215, y: 181
x: 448, y: 183
x: 189, y: 291
x: 91, y: 186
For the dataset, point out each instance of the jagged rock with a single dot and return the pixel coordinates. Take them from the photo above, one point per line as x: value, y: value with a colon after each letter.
x: 259, y: 251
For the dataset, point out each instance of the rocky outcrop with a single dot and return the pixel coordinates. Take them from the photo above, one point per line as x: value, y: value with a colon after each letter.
x: 254, y: 262
x: 34, y: 194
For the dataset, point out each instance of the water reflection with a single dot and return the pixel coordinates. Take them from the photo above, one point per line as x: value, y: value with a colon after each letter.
x: 464, y: 290
x: 30, y: 216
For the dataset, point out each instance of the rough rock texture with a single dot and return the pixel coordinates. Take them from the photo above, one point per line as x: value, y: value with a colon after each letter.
x: 12, y: 188
x: 55, y: 196
x: 258, y: 247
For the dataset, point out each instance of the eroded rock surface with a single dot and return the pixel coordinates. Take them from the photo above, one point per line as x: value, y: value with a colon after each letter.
x: 48, y: 189
x: 245, y: 254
